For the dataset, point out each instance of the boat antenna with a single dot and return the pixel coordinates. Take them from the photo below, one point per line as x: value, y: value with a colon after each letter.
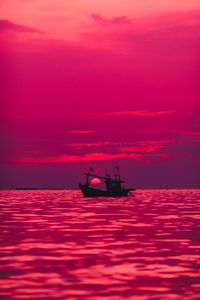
x: 106, y: 173
x: 115, y: 175
x: 88, y: 174
x: 118, y: 175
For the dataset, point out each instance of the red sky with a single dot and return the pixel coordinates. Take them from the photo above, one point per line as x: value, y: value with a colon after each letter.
x: 88, y: 82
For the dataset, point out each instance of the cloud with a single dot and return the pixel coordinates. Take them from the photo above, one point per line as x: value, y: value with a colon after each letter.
x: 95, y: 144
x: 8, y: 25
x: 141, y: 149
x: 140, y: 113
x: 81, y: 131
x: 193, y: 133
x: 113, y: 21
x: 165, y: 155
x: 172, y: 34
x: 146, y: 146
x: 76, y: 158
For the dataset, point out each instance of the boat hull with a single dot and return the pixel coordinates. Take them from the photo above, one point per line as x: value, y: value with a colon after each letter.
x: 91, y: 192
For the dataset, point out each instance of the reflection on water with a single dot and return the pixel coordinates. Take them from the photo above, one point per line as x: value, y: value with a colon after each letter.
x: 58, y: 245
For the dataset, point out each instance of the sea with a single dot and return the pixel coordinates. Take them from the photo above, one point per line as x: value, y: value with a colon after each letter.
x: 59, y: 245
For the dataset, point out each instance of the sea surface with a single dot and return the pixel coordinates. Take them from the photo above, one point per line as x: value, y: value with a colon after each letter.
x: 59, y: 245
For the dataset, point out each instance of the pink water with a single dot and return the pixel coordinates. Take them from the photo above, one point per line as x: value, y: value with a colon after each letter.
x: 58, y: 245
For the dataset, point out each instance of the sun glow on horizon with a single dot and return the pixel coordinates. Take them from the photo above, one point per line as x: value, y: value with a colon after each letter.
x: 95, y: 181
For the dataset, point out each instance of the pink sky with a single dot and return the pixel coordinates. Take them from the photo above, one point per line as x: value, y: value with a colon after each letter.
x: 87, y: 82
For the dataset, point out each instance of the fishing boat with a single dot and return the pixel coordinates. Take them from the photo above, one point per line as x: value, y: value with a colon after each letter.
x: 114, y: 185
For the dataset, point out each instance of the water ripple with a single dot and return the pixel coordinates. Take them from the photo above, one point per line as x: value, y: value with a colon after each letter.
x: 58, y: 245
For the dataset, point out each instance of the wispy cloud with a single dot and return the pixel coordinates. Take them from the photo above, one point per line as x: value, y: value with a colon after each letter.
x: 140, y: 150
x: 163, y: 33
x: 146, y: 146
x: 76, y: 158
x: 11, y: 26
x: 169, y: 155
x: 95, y: 144
x: 193, y: 133
x: 81, y: 131
x: 119, y: 20
x: 140, y: 113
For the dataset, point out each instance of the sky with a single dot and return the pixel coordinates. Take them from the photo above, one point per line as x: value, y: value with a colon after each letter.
x: 88, y: 83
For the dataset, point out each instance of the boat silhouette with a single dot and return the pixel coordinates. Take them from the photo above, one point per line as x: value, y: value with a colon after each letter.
x: 114, y: 186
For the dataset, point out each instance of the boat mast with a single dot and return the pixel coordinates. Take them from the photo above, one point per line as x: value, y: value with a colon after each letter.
x: 114, y: 168
x: 118, y: 175
x: 107, y: 177
x: 88, y: 174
